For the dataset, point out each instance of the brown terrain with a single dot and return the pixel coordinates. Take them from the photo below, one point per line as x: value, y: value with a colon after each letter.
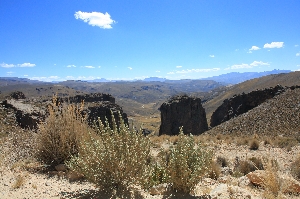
x: 255, y: 138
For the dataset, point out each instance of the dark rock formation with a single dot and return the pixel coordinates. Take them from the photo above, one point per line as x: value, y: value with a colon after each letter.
x: 27, y: 116
x: 104, y: 110
x: 93, y: 97
x: 17, y: 95
x: 183, y: 111
x: 240, y: 104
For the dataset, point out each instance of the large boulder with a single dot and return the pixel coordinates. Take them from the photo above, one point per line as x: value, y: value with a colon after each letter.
x: 242, y: 103
x: 183, y: 111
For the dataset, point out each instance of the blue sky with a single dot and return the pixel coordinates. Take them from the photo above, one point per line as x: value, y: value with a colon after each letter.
x: 132, y: 39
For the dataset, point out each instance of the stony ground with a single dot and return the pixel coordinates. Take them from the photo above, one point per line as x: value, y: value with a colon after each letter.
x: 19, y: 181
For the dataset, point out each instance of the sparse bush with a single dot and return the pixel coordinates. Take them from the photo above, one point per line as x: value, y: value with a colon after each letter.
x: 257, y: 163
x: 254, y: 145
x: 214, y: 171
x: 59, y: 136
x: 222, y: 161
x: 188, y: 164
x: 113, y: 158
x: 246, y: 167
x: 295, y: 168
x: 285, y: 142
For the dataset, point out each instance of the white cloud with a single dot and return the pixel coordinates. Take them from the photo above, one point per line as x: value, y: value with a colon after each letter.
x: 26, y: 65
x: 178, y: 66
x: 194, y: 71
x: 212, y: 56
x: 89, y: 66
x: 95, y: 19
x: 99, y: 66
x: 158, y: 71
x: 259, y: 63
x: 4, y: 65
x: 253, y: 64
x: 70, y: 66
x: 296, y: 45
x: 274, y: 45
x: 298, y: 54
x: 25, y: 75
x: 10, y: 72
x: 129, y: 68
x: 254, y: 48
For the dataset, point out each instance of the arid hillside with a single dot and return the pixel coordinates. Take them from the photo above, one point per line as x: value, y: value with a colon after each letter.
x: 288, y: 79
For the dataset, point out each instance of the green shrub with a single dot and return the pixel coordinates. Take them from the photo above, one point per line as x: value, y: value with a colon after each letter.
x: 59, y: 136
x: 188, y: 163
x: 113, y: 158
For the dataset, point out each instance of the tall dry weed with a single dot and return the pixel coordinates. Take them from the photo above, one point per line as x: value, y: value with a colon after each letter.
x: 59, y: 136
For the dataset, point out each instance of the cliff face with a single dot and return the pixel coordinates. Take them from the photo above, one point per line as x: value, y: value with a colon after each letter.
x: 183, y: 111
x: 240, y: 104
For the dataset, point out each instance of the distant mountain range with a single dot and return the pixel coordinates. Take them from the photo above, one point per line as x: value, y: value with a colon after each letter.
x: 236, y: 78
x: 229, y: 78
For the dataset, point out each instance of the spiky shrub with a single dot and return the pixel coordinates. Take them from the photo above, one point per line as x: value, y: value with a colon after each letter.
x: 188, y: 163
x: 113, y: 158
x: 59, y: 136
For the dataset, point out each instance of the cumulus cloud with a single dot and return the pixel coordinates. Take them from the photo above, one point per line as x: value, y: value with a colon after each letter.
x: 129, y: 68
x: 254, y: 48
x: 178, y: 66
x: 253, y: 64
x: 212, y: 56
x: 95, y: 19
x: 71, y: 66
x: 274, y: 45
x: 89, y: 66
x: 171, y: 73
x: 158, y: 71
x: 298, y: 54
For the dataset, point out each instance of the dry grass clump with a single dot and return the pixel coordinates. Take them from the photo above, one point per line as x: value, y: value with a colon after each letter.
x: 214, y: 171
x: 285, y: 142
x: 188, y: 164
x: 295, y: 168
x: 59, y: 136
x: 113, y: 158
x: 254, y: 144
x: 271, y: 181
x: 246, y: 166
x: 222, y: 161
x: 19, y: 182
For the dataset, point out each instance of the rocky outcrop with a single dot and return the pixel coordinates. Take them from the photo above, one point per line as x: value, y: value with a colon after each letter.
x: 27, y: 116
x: 240, y: 104
x: 93, y: 97
x: 183, y: 111
x: 17, y: 95
x: 104, y: 110
x: 277, y: 116
x: 96, y: 105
